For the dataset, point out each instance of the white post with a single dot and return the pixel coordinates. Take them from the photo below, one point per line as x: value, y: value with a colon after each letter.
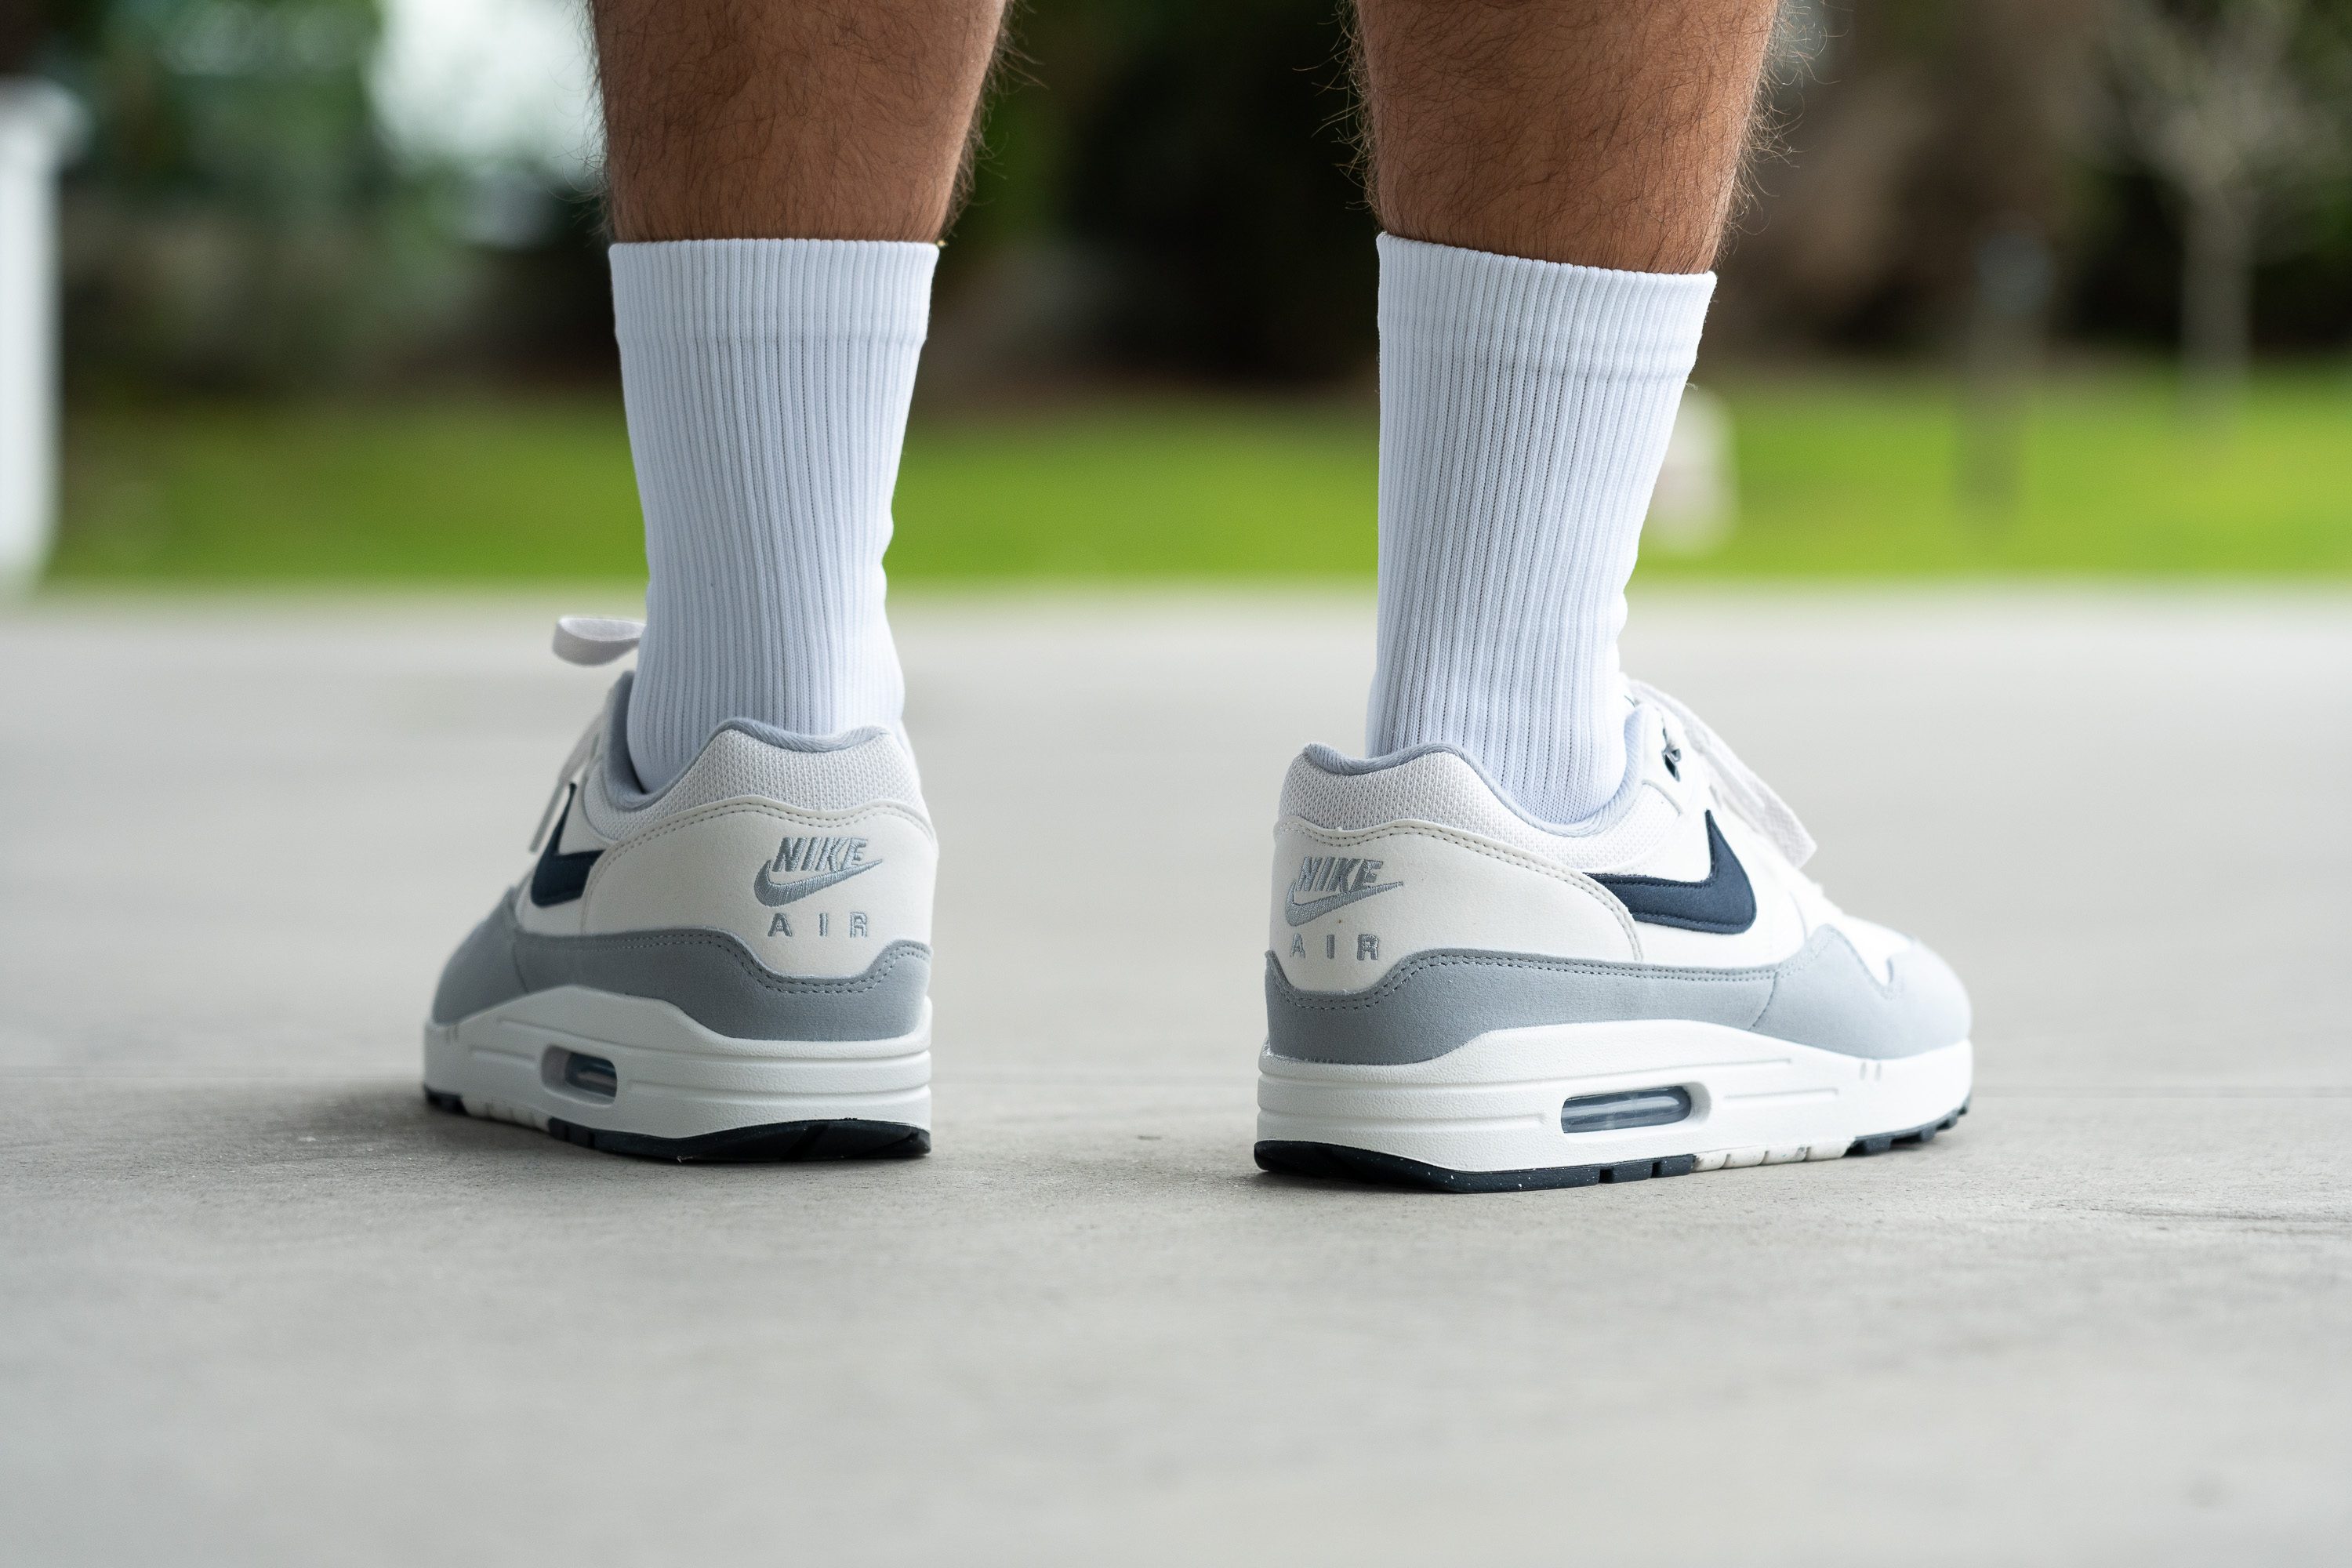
x: 40, y: 126
x: 1696, y: 502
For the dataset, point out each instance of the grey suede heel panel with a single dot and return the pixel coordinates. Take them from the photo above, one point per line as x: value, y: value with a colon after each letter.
x: 1441, y: 1000
x: 1438, y: 1001
x: 710, y: 975
x: 1827, y: 997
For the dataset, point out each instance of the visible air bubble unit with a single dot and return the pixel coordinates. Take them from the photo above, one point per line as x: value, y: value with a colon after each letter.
x: 580, y: 1073
x: 1614, y: 1113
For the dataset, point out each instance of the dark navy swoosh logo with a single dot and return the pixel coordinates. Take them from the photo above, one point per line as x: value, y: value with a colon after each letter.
x: 1298, y: 914
x: 559, y: 879
x: 774, y: 893
x: 1724, y: 904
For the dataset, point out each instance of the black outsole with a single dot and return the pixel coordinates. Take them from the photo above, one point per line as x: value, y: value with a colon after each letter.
x: 776, y: 1142
x: 1880, y: 1142
x: 1332, y: 1161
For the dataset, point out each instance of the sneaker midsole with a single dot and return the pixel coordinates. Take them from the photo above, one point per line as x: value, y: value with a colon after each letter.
x: 1499, y: 1103
x: 630, y: 1064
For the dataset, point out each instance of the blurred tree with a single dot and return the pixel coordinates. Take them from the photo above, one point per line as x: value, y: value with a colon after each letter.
x: 1180, y: 174
x: 1922, y: 129
x: 1927, y: 127
x: 238, y: 222
x: 2218, y: 99
x: 24, y: 27
x: 1167, y: 190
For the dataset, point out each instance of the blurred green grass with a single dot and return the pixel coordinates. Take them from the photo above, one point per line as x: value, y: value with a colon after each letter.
x: 1844, y: 476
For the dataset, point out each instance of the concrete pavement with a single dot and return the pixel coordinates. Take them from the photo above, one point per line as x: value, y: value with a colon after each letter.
x: 258, y: 1305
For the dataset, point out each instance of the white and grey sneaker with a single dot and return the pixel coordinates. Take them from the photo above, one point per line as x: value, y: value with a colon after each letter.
x: 736, y: 967
x: 1460, y: 997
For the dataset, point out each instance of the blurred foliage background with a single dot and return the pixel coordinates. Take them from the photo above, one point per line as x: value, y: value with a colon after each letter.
x: 328, y: 319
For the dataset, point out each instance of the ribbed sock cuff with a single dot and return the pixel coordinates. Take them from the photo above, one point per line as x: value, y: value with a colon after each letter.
x: 722, y: 289
x: 1592, y: 320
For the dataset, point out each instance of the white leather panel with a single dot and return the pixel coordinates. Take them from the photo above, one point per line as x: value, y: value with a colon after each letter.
x: 1454, y: 890
x: 702, y: 867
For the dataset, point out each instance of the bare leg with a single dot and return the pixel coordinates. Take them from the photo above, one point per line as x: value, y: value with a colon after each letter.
x: 808, y: 119
x: 1607, y: 135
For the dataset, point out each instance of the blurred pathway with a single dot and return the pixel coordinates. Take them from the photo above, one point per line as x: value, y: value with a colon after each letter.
x: 258, y: 1305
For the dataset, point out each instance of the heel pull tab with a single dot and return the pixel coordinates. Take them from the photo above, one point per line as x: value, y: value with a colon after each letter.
x: 595, y: 639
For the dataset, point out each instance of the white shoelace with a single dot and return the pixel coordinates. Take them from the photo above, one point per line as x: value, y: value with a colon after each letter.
x: 584, y: 639
x: 595, y: 639
x: 1740, y: 789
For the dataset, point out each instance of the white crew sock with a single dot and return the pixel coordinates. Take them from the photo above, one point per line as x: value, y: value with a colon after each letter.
x: 1525, y: 407
x: 767, y: 384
